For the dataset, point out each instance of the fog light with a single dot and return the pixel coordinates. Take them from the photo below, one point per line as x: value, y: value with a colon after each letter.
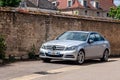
x: 69, y: 56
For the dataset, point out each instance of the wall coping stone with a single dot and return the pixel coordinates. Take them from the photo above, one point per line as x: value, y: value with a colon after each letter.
x: 57, y: 14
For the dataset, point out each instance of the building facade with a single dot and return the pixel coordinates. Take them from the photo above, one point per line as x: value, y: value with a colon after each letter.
x: 42, y: 4
x: 96, y: 8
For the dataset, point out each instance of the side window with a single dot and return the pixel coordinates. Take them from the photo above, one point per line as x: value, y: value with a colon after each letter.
x: 102, y: 39
x: 98, y: 37
x: 92, y: 36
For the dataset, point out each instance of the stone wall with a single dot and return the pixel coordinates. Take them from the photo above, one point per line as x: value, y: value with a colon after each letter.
x: 24, y: 29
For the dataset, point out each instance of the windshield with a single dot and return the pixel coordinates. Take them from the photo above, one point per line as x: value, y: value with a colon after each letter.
x: 79, y: 36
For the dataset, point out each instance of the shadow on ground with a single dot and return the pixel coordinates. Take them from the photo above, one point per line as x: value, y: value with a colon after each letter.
x: 46, y: 73
x: 87, y: 62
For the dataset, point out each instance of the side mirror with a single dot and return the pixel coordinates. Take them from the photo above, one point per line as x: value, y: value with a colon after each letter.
x: 90, y: 41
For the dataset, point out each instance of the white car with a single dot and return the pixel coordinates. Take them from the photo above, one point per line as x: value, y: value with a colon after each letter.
x: 76, y: 46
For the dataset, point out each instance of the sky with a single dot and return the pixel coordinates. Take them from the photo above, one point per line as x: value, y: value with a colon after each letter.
x: 117, y: 2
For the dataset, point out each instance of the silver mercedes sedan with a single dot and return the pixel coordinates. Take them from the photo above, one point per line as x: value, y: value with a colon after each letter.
x: 76, y: 46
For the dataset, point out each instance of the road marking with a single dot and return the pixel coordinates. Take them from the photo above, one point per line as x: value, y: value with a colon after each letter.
x: 65, y: 69
x: 60, y: 70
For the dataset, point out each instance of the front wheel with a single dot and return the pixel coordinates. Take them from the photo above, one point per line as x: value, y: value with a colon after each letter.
x: 105, y: 56
x: 81, y: 57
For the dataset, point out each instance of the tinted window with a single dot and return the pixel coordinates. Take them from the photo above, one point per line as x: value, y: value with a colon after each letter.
x: 92, y: 36
x: 98, y: 37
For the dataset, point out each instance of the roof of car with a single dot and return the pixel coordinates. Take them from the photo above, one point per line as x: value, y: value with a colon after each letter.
x: 84, y: 31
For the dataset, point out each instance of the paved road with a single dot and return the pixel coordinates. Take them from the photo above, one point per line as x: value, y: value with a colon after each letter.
x: 60, y: 70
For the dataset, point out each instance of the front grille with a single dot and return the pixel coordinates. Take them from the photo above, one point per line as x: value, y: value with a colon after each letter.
x: 61, y: 55
x: 55, y: 47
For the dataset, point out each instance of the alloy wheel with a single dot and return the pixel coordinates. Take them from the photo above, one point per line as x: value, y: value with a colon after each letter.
x: 105, y: 56
x: 81, y: 57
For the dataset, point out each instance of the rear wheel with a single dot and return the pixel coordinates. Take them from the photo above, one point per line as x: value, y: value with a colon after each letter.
x: 46, y: 60
x: 105, y: 56
x: 81, y: 57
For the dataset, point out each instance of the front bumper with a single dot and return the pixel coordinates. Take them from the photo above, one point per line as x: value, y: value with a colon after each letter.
x: 58, y: 55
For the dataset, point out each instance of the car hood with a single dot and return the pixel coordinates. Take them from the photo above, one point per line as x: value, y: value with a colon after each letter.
x: 67, y: 43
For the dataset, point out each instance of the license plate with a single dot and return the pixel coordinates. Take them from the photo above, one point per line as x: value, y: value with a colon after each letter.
x: 54, y: 53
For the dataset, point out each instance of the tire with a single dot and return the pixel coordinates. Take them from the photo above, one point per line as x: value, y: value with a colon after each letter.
x: 46, y: 60
x: 81, y: 57
x: 105, y: 56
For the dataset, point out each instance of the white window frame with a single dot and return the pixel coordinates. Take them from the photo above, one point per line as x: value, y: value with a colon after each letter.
x: 84, y: 3
x: 97, y: 6
x: 94, y: 4
x: 68, y: 3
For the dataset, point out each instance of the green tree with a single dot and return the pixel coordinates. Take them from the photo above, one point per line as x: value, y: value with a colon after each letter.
x: 1, y: 2
x: 10, y: 3
x: 115, y: 12
x: 2, y: 47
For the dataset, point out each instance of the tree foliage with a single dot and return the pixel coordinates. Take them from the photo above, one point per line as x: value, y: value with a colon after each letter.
x: 10, y: 3
x: 31, y: 53
x: 2, y: 47
x: 115, y: 12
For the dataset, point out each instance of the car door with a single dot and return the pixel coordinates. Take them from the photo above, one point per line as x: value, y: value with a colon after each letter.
x: 99, y: 44
x: 91, y: 48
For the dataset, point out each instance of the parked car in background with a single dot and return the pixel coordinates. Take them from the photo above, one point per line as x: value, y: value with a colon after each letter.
x: 76, y: 46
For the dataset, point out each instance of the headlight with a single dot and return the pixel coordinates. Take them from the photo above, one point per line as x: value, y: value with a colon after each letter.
x: 43, y: 47
x: 71, y: 48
